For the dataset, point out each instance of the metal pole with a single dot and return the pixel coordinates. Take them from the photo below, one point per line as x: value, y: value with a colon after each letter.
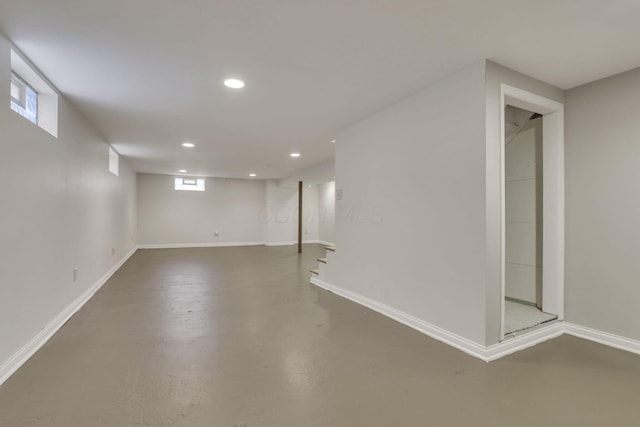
x: 299, y: 217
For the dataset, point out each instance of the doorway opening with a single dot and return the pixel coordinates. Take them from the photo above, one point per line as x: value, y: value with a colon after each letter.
x: 532, y: 211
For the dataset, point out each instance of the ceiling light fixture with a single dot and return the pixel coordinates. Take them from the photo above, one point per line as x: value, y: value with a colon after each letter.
x: 295, y: 154
x: 333, y: 141
x: 183, y: 171
x: 188, y: 144
x: 252, y: 175
x: 234, y: 83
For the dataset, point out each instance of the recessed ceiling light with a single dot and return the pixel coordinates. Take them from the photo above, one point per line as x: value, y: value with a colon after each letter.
x: 252, y: 175
x: 188, y: 144
x: 183, y: 171
x: 333, y: 141
x: 234, y: 83
x: 295, y: 154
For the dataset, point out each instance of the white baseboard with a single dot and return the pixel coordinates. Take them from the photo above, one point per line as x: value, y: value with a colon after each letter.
x: 295, y: 243
x: 198, y: 245
x: 611, y: 340
x: 281, y: 243
x: 426, y: 328
x: 320, y: 242
x: 492, y: 352
x: 11, y: 365
x: 521, y: 342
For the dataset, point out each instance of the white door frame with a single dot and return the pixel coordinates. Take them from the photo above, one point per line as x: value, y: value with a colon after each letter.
x: 552, y: 196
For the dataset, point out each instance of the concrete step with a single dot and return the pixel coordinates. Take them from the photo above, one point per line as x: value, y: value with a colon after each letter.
x: 322, y: 260
x: 316, y: 272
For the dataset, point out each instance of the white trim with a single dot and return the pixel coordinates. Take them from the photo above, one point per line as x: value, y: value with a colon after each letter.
x: 304, y: 242
x: 471, y: 348
x: 197, y: 245
x: 281, y: 243
x: 503, y: 214
x: 13, y: 363
x: 320, y: 242
x: 553, y: 197
x: 495, y: 351
x: 521, y: 342
x: 553, y: 212
x: 605, y: 338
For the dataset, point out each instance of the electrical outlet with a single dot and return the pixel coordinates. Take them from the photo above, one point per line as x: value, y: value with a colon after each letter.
x: 75, y: 274
x: 216, y: 233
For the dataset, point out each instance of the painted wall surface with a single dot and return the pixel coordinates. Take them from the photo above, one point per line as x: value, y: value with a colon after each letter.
x: 603, y: 204
x: 410, y: 228
x: 310, y: 213
x: 232, y: 207
x: 495, y: 76
x: 327, y: 211
x: 281, y: 212
x: 61, y: 209
x: 281, y: 227
x: 523, y: 199
x: 324, y: 172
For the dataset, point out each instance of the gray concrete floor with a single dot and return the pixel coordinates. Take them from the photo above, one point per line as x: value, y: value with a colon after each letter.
x: 238, y: 337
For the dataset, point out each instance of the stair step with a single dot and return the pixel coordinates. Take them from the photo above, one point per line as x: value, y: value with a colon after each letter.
x: 330, y: 248
x: 322, y: 260
x: 316, y: 272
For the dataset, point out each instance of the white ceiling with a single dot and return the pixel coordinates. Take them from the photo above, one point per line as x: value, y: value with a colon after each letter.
x: 148, y: 73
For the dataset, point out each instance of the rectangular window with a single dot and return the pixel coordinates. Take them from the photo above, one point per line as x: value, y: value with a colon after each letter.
x: 24, y: 100
x: 189, y: 184
x: 113, y: 161
x: 32, y: 96
x: 18, y: 91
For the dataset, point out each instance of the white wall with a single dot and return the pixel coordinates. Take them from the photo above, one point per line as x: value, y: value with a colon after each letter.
x: 232, y: 207
x: 495, y: 76
x: 523, y: 194
x: 410, y: 229
x: 282, y: 211
x: 603, y: 205
x: 324, y: 172
x: 281, y: 225
x: 310, y: 213
x: 61, y: 209
x: 327, y: 212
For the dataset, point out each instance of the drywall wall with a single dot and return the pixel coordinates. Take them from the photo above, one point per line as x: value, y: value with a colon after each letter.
x: 281, y: 222
x: 318, y: 174
x: 523, y: 213
x: 281, y: 212
x: 326, y: 212
x: 495, y: 76
x: 310, y: 213
x: 603, y: 204
x: 410, y: 225
x: 61, y: 209
x: 234, y: 208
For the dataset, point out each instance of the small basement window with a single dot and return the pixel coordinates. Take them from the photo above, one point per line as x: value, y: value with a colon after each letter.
x: 24, y: 100
x: 189, y: 184
x: 32, y: 96
x: 113, y: 161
